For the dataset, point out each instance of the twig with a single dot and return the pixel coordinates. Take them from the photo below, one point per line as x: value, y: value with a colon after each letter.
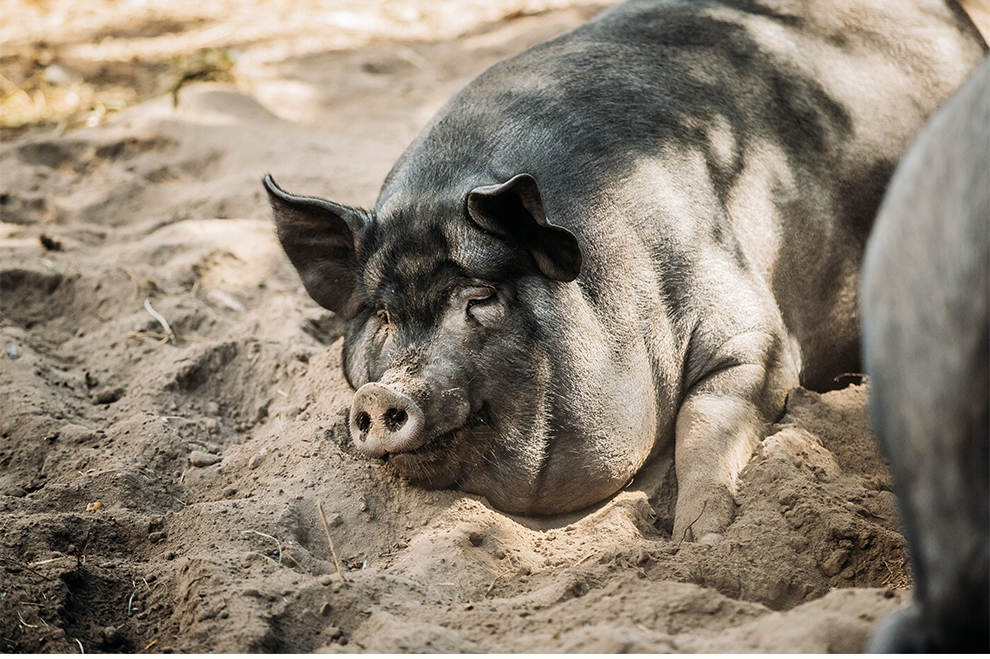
x: 265, y: 535
x: 50, y: 560
x: 589, y: 555
x: 131, y: 600
x: 333, y: 552
x: 148, y: 646
x: 688, y: 527
x: 27, y: 567
x: 298, y: 564
x: 24, y: 623
x: 492, y: 584
x: 169, y: 334
x: 81, y: 651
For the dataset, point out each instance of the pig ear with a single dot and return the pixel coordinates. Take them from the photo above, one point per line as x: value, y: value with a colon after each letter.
x: 514, y: 209
x: 318, y: 236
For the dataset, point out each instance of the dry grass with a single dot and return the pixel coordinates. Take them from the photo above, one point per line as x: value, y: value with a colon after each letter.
x: 65, y: 63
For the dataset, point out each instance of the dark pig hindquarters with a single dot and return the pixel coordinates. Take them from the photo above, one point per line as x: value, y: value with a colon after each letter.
x: 644, y: 232
x: 926, y: 339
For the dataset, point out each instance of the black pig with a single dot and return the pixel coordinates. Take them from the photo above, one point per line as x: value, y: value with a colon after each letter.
x: 644, y: 232
x: 926, y: 341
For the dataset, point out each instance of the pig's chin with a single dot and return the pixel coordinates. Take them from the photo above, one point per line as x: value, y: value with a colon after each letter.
x: 432, y: 465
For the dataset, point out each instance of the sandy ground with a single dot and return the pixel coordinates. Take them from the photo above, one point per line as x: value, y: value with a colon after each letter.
x: 160, y: 489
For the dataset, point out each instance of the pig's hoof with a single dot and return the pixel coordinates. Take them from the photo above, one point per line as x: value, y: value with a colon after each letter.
x: 702, y: 517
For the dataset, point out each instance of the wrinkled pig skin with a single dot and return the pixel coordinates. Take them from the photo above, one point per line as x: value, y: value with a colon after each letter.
x: 926, y: 338
x: 644, y: 232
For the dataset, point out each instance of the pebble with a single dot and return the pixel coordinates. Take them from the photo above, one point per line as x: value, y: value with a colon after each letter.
x: 156, y: 536
x: 256, y: 460
x: 834, y: 563
x: 56, y: 75
x: 711, y: 539
x: 203, y: 459
x: 75, y: 433
x: 108, y: 395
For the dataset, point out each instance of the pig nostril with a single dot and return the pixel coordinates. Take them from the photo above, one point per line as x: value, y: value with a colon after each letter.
x: 363, y: 421
x: 394, y: 418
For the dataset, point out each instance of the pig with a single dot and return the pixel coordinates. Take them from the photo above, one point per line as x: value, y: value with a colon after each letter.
x: 926, y: 341
x: 632, y: 239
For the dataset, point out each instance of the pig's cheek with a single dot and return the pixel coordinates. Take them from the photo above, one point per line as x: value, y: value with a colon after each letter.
x: 490, y: 314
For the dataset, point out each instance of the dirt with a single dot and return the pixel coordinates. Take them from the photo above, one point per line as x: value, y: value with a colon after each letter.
x: 161, y: 487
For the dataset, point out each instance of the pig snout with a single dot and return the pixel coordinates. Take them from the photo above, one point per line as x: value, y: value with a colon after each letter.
x: 385, y: 421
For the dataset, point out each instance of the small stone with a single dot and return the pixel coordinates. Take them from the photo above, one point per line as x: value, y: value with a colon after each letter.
x: 57, y: 75
x: 325, y: 579
x: 212, y: 408
x: 325, y: 608
x: 108, y: 395
x: 110, y: 635
x: 230, y: 492
x: 203, y: 459
x: 333, y: 632
x: 834, y: 563
x: 170, y: 556
x: 76, y: 434
x: 156, y: 536
x: 710, y: 539
x: 476, y: 538
x: 256, y: 460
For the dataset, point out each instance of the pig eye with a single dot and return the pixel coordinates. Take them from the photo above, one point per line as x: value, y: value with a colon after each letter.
x: 477, y: 295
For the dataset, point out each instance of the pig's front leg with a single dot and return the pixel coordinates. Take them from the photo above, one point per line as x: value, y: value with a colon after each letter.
x: 725, y: 414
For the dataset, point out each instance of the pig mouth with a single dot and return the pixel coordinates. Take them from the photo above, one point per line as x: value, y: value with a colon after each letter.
x: 434, y: 463
x: 432, y: 451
